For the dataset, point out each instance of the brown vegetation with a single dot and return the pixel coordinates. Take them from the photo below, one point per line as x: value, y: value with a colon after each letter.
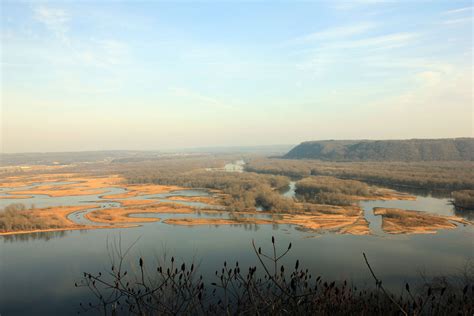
x: 29, y: 178
x: 16, y: 218
x: 318, y: 222
x: 385, y: 195
x: 243, y: 191
x: 125, y: 203
x: 81, y: 186
x: 334, y: 191
x: 355, y: 225
x: 214, y: 200
x: 452, y: 175
x: 348, y: 220
x: 330, y: 190
x: 193, y: 221
x: 134, y: 190
x: 397, y: 221
x: 7, y: 197
x: 464, y: 199
x: 122, y: 215
x: 342, y: 221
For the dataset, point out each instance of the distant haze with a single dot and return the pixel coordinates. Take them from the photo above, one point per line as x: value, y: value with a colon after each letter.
x: 163, y: 75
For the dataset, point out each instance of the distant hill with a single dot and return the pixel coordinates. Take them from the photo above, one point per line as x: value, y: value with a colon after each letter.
x: 64, y: 158
x: 385, y: 150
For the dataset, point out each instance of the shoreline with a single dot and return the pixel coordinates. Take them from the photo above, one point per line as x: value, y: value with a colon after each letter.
x: 23, y: 232
x: 322, y: 218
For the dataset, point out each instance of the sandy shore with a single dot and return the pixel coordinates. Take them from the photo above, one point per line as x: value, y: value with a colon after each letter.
x: 135, y: 190
x: 346, y: 221
x: 314, y: 223
x: 21, y: 232
x: 82, y: 185
x: 126, y: 203
x: 122, y: 215
x: 200, y: 199
x: 383, y: 194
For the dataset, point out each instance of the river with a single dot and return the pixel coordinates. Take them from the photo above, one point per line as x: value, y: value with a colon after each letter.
x: 38, y: 271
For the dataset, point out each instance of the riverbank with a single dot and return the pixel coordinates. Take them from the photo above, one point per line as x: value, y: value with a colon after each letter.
x: 125, y: 208
x: 49, y: 219
x: 336, y: 219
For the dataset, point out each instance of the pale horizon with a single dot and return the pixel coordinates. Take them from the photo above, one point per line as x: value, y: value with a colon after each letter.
x: 192, y: 149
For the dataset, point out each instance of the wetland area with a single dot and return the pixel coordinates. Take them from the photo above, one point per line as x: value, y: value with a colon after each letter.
x: 409, y: 235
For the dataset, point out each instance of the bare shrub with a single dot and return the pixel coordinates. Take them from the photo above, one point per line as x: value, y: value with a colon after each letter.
x: 272, y: 289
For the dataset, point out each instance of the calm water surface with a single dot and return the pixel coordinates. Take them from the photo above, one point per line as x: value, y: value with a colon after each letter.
x: 38, y: 271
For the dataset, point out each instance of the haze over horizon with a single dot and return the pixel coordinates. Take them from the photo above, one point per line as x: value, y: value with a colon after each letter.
x: 103, y: 76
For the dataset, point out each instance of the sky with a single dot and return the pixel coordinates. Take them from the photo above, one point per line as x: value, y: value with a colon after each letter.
x: 90, y: 75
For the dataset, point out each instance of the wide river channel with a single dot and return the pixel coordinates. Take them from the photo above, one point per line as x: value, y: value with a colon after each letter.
x: 38, y: 271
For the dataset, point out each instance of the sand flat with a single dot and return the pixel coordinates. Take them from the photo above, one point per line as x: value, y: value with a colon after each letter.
x: 122, y: 215
x: 399, y: 221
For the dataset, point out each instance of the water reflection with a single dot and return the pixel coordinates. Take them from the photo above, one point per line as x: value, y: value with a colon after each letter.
x: 464, y: 213
x: 34, y: 236
x: 43, y: 236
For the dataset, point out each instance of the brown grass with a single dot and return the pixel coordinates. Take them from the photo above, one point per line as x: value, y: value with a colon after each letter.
x: 348, y: 220
x: 201, y: 199
x: 358, y: 227
x: 126, y: 203
x: 20, y: 220
x: 59, y: 191
x: 6, y: 197
x: 398, y: 221
x: 215, y: 221
x: 86, y: 186
x: 142, y: 189
x: 341, y: 221
x: 122, y: 215
x: 18, y: 181
x: 385, y: 195
x: 355, y: 226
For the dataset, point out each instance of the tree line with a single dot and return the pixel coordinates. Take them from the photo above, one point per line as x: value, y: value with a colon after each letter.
x: 464, y: 199
x: 453, y: 175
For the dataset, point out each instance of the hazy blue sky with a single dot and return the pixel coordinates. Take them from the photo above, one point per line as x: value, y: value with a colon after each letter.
x: 150, y: 75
